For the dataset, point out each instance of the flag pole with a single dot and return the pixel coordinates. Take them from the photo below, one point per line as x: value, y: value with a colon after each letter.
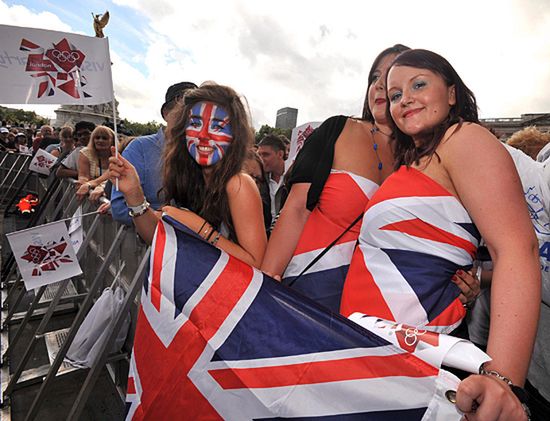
x: 114, y: 107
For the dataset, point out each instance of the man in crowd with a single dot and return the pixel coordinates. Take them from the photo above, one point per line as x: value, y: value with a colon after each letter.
x: 144, y: 154
x: 4, y: 141
x: 272, y: 150
x: 69, y: 166
x: 45, y: 132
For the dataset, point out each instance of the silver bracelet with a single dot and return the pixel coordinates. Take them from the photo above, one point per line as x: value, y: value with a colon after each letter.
x: 478, y: 273
x: 494, y: 374
x: 135, y: 211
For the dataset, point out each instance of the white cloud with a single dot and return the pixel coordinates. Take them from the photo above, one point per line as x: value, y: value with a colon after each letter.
x: 315, y: 56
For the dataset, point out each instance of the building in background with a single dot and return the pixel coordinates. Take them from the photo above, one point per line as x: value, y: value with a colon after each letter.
x: 286, y: 118
x: 506, y: 127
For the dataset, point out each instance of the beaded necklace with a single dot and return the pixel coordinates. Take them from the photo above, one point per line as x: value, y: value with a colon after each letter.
x: 373, y: 131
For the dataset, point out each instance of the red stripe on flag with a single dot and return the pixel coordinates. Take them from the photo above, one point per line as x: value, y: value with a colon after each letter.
x: 164, y: 370
x: 451, y: 315
x: 131, y: 389
x: 361, y: 293
x: 368, y: 367
x: 422, y: 229
x: 160, y: 243
x: 409, y: 182
x: 324, y: 224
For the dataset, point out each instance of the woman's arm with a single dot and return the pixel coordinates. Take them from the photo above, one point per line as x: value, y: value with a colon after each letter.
x: 245, y: 206
x: 489, y: 187
x: 83, y: 168
x: 287, y: 231
x: 83, y: 176
x: 486, y: 181
x: 129, y: 185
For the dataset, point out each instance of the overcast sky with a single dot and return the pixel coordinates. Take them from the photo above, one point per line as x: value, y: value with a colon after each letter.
x: 310, y: 55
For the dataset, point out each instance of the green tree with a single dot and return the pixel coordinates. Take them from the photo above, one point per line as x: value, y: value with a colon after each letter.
x: 13, y: 116
x: 139, y: 129
x: 267, y: 129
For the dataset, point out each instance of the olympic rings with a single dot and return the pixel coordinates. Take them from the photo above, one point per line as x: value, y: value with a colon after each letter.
x: 64, y: 56
x: 413, y: 333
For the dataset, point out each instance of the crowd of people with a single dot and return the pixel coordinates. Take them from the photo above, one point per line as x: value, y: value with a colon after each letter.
x: 385, y: 214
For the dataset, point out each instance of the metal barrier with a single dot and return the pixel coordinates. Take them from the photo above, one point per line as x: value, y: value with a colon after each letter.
x: 110, y: 252
x: 14, y: 175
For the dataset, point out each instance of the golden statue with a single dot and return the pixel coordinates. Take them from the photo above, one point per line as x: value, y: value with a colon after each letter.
x: 100, y: 22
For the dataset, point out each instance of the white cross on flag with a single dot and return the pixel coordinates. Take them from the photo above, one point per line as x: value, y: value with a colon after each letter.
x: 42, y: 162
x: 44, y: 254
x: 48, y: 67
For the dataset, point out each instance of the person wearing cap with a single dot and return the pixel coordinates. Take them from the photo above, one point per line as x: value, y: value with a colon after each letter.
x: 4, y: 138
x: 21, y: 142
x: 7, y: 139
x: 144, y: 154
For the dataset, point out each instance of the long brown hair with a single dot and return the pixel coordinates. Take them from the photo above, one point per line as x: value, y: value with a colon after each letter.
x: 396, y: 49
x: 183, y: 178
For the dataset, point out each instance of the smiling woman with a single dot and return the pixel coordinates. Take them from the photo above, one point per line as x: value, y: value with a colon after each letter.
x: 454, y: 184
x: 93, y: 163
x: 207, y: 137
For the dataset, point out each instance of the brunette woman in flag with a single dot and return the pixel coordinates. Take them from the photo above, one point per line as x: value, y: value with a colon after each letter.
x: 454, y: 183
x: 341, y: 165
x: 208, y: 135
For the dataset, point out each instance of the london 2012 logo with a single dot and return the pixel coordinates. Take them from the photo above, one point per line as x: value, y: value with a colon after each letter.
x: 57, y: 68
x: 47, y: 257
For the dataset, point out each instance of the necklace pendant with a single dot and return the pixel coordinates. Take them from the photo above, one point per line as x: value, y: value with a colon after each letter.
x: 380, y: 166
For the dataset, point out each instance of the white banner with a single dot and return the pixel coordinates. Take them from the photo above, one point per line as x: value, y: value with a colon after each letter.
x: 44, y: 254
x: 76, y: 231
x: 297, y: 139
x: 38, y: 66
x: 25, y: 150
x: 435, y: 348
x: 42, y: 162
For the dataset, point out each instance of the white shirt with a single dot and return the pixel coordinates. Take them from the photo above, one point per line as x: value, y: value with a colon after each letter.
x: 273, y: 188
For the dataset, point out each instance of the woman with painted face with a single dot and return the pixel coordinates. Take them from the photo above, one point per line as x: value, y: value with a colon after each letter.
x: 208, y: 135
x: 454, y: 183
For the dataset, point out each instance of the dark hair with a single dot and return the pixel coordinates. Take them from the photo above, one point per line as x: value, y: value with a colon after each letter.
x: 174, y: 93
x: 252, y: 155
x: 465, y: 108
x: 84, y: 125
x: 183, y: 178
x: 396, y: 49
x: 273, y: 140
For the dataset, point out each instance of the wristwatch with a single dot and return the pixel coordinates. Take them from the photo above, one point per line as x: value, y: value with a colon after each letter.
x: 135, y: 211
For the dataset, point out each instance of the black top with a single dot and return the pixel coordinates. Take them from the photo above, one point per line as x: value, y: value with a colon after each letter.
x: 314, y: 161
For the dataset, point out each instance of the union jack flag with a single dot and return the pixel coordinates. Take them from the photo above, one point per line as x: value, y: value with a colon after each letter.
x: 217, y: 339
x: 415, y: 236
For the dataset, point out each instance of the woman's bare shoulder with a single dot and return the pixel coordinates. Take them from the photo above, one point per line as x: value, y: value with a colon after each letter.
x: 240, y: 183
x: 470, y: 135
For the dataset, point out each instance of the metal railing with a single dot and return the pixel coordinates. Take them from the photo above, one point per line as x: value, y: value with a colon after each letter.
x: 109, y: 251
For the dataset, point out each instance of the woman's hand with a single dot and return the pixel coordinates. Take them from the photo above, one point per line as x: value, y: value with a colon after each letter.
x: 82, y: 191
x: 128, y: 180
x: 486, y: 398
x: 96, y: 194
x: 469, y: 286
x: 104, y: 208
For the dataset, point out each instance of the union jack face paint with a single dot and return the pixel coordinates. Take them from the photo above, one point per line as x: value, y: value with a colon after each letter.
x: 208, y: 133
